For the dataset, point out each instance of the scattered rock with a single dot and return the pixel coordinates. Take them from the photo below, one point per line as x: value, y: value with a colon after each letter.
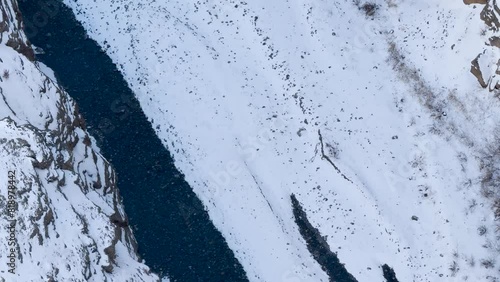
x: 369, y: 9
x: 299, y: 133
x: 481, y: 230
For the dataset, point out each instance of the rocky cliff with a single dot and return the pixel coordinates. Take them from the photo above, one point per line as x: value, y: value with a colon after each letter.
x: 486, y: 65
x: 60, y: 208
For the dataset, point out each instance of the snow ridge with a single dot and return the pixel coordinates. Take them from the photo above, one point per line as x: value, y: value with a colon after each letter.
x: 238, y: 91
x: 69, y: 221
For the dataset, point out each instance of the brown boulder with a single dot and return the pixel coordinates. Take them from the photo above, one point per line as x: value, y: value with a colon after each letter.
x: 476, y: 71
x: 489, y: 15
x: 495, y: 41
x: 468, y: 2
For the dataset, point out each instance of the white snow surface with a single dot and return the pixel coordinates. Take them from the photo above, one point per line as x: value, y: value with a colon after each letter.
x: 240, y: 91
x: 63, y: 227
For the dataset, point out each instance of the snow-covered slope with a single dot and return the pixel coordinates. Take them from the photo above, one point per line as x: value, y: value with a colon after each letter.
x: 62, y: 217
x: 367, y: 112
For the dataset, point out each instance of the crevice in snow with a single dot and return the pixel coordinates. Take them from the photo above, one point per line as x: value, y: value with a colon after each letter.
x: 325, y: 157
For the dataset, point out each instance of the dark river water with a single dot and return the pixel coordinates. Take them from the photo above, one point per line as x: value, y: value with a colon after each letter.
x: 174, y: 232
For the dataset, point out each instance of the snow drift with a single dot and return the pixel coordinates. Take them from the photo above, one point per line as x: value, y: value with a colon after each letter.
x: 366, y: 112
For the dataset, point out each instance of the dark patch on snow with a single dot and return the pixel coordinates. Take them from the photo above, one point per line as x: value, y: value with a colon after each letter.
x: 318, y: 247
x: 389, y: 274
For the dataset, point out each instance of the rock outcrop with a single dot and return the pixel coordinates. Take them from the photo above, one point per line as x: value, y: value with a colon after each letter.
x: 486, y: 66
x: 11, y: 27
x: 469, y: 2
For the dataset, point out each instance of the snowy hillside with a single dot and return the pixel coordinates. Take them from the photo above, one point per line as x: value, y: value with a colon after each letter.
x: 367, y: 112
x: 62, y: 218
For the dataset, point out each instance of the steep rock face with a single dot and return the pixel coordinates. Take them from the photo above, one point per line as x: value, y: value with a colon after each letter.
x: 468, y: 2
x: 11, y: 29
x: 486, y: 66
x: 61, y: 208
